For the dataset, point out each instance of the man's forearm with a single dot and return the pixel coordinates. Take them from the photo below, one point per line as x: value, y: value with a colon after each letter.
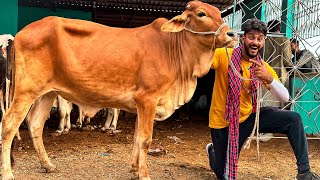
x: 279, y: 91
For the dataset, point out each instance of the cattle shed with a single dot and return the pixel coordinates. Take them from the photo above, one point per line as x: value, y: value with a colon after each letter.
x: 115, y: 13
x: 299, y: 19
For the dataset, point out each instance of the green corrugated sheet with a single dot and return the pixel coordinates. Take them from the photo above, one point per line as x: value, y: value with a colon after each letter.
x: 8, y: 16
x: 30, y: 14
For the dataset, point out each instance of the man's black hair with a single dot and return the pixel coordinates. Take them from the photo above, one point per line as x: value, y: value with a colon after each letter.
x: 274, y: 25
x: 254, y: 24
x: 294, y: 40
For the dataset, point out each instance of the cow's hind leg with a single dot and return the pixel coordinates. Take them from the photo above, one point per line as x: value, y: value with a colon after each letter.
x: 80, y: 120
x: 146, y: 107
x: 116, y: 113
x: 36, y: 120
x: 62, y: 109
x: 10, y: 125
x: 67, y: 119
x: 110, y: 115
x: 61, y: 124
x: 135, y: 152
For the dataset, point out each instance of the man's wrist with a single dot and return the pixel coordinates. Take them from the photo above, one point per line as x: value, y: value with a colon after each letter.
x: 269, y: 80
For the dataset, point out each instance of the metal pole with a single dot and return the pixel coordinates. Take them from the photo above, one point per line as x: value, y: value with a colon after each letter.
x: 290, y: 10
x: 234, y: 12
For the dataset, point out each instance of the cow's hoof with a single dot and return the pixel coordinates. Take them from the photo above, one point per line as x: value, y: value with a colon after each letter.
x: 73, y: 126
x: 134, y: 174
x: 51, y: 169
x: 57, y: 133
x: 134, y: 177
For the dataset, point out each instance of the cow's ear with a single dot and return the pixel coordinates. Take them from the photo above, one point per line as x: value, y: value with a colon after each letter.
x: 176, y: 24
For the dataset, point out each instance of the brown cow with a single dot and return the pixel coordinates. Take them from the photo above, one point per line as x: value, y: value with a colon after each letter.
x: 151, y: 70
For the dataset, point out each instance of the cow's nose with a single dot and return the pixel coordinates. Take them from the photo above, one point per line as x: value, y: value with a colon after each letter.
x: 231, y: 34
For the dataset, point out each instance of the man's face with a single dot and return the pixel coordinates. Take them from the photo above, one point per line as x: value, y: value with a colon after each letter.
x: 294, y: 48
x: 252, y: 42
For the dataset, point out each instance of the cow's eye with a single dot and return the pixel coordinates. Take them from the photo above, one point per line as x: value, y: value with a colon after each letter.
x: 188, y: 6
x: 201, y: 14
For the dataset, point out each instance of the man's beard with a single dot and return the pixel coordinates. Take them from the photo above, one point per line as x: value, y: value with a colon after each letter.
x: 246, y: 48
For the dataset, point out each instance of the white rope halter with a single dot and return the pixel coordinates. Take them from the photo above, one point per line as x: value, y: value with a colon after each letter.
x: 214, y: 33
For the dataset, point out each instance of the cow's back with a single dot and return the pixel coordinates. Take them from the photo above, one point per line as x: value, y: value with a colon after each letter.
x: 83, y: 59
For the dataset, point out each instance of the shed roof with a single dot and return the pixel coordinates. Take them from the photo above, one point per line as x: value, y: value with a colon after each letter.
x: 124, y: 13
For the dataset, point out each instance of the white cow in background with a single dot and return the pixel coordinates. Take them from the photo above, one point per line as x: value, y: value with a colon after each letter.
x: 111, y: 122
x: 65, y: 108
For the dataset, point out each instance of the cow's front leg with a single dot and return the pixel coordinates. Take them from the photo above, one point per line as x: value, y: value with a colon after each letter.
x: 146, y: 108
x: 36, y: 119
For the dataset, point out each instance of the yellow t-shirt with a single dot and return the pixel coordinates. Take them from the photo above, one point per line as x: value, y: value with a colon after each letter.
x: 219, y: 96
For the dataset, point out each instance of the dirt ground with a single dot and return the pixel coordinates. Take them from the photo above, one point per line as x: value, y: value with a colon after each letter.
x: 93, y: 154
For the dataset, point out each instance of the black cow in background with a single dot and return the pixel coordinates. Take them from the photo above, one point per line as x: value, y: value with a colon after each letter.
x: 6, y: 42
x: 201, y: 99
x: 5, y: 68
x: 3, y: 62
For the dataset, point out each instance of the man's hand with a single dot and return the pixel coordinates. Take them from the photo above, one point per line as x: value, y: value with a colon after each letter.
x: 261, y: 72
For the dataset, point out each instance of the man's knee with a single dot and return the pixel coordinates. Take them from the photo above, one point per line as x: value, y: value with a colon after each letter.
x: 295, y: 118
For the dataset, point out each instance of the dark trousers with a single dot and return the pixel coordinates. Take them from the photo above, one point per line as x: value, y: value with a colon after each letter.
x: 272, y: 120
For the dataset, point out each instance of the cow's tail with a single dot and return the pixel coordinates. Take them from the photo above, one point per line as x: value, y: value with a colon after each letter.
x: 9, y: 73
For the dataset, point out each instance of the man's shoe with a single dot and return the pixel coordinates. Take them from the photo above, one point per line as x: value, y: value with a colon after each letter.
x: 211, y: 157
x: 264, y: 137
x: 308, y: 176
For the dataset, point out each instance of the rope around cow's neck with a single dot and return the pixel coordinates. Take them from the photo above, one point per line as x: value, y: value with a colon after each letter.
x: 256, y: 123
x: 214, y: 33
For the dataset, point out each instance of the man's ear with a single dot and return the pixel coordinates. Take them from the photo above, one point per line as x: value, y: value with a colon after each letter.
x: 242, y: 39
x: 176, y: 24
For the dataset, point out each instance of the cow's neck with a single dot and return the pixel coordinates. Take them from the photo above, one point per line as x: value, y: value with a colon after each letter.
x: 190, y: 56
